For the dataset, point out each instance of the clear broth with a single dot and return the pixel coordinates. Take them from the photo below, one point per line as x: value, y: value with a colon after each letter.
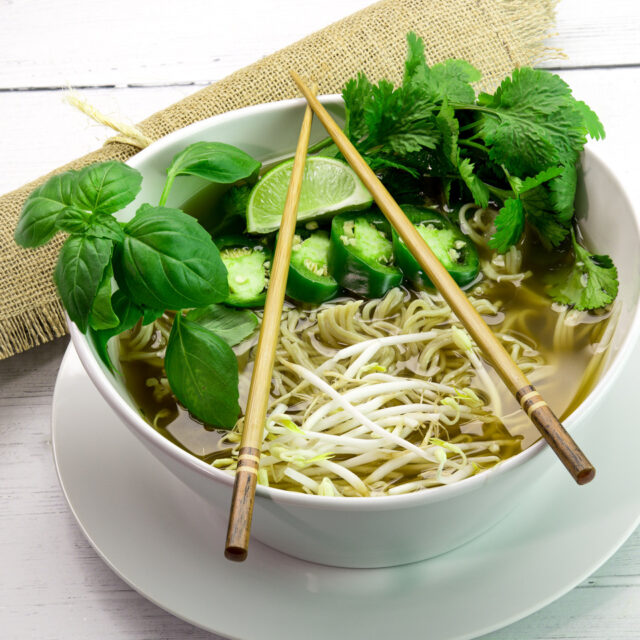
x: 524, y: 309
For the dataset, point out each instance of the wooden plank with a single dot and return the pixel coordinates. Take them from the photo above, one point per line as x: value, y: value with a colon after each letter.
x: 164, y: 43
x: 610, y: 93
x: 40, y: 131
x: 149, y: 42
x: 593, y: 34
x: 608, y: 616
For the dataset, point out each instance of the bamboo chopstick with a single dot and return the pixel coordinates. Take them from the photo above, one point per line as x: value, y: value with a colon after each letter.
x: 246, y: 476
x: 529, y: 399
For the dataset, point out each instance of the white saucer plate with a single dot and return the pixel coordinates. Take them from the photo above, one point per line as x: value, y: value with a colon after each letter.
x: 167, y: 543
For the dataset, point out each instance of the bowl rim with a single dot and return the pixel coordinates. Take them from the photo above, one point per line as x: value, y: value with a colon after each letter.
x: 135, y: 421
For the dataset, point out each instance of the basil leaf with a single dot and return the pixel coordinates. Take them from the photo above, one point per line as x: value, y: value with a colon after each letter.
x: 128, y: 314
x: 73, y: 220
x: 203, y: 373
x: 37, y: 223
x: 102, y: 315
x: 78, y: 221
x: 214, y: 161
x: 78, y: 274
x: 151, y: 315
x: 232, y: 325
x: 169, y: 261
x: 106, y: 187
x: 106, y: 227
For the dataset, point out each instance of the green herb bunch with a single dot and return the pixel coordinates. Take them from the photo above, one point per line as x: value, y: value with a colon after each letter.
x: 518, y: 147
x: 162, y: 259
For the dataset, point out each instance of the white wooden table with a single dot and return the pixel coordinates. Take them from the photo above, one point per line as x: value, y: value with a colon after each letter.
x: 52, y: 583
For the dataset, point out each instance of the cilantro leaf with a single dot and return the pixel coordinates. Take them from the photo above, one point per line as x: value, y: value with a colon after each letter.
x: 563, y: 192
x: 398, y: 120
x: 591, y: 121
x: 591, y: 283
x: 509, y: 225
x: 447, y: 158
x: 532, y: 122
x: 415, y: 57
x: 521, y: 186
x: 356, y: 93
x: 449, y: 129
x: 478, y: 189
x: 452, y: 79
x: 538, y: 208
x: 380, y: 162
x: 521, y: 146
x: 434, y: 127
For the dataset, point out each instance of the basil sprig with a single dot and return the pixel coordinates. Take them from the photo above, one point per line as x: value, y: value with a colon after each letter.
x: 161, y: 259
x: 213, y: 161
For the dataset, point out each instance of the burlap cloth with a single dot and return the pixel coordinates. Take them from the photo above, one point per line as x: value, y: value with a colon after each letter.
x: 494, y: 35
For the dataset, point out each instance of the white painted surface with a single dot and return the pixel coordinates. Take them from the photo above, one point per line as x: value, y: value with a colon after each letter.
x: 52, y: 584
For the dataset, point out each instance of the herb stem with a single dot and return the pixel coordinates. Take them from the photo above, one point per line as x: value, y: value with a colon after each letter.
x: 318, y: 146
x: 165, y: 191
x: 466, y: 127
x: 503, y: 194
x: 475, y: 145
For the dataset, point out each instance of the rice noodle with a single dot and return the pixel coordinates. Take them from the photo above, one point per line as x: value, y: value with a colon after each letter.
x: 389, y: 396
x: 362, y: 417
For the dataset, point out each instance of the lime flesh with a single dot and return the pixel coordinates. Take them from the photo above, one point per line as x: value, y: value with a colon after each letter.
x: 329, y: 187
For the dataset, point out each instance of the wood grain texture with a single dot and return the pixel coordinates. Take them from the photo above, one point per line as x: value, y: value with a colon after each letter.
x: 547, y: 423
x: 143, y: 43
x: 596, y: 34
x: 200, y: 41
x: 52, y: 584
x: 244, y: 487
x: 241, y: 512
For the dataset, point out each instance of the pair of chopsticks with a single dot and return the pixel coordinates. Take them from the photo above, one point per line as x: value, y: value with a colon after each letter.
x: 529, y: 399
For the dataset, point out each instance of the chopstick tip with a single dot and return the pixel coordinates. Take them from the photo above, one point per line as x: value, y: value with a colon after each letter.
x: 235, y: 554
x: 586, y: 475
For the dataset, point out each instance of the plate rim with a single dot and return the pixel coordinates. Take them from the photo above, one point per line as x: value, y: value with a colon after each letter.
x: 66, y: 370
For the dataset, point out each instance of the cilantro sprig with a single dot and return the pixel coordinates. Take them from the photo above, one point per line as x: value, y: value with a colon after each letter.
x: 518, y: 148
x: 591, y: 282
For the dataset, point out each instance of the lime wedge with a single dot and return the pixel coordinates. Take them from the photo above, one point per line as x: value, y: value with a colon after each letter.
x: 329, y: 187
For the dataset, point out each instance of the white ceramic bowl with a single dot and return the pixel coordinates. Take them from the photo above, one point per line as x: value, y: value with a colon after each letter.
x: 385, y: 531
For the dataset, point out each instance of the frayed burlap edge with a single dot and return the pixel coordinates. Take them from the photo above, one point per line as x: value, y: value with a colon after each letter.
x: 32, y: 328
x: 495, y: 35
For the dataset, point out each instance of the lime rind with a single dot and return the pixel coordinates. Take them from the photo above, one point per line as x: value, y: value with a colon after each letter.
x: 329, y: 187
